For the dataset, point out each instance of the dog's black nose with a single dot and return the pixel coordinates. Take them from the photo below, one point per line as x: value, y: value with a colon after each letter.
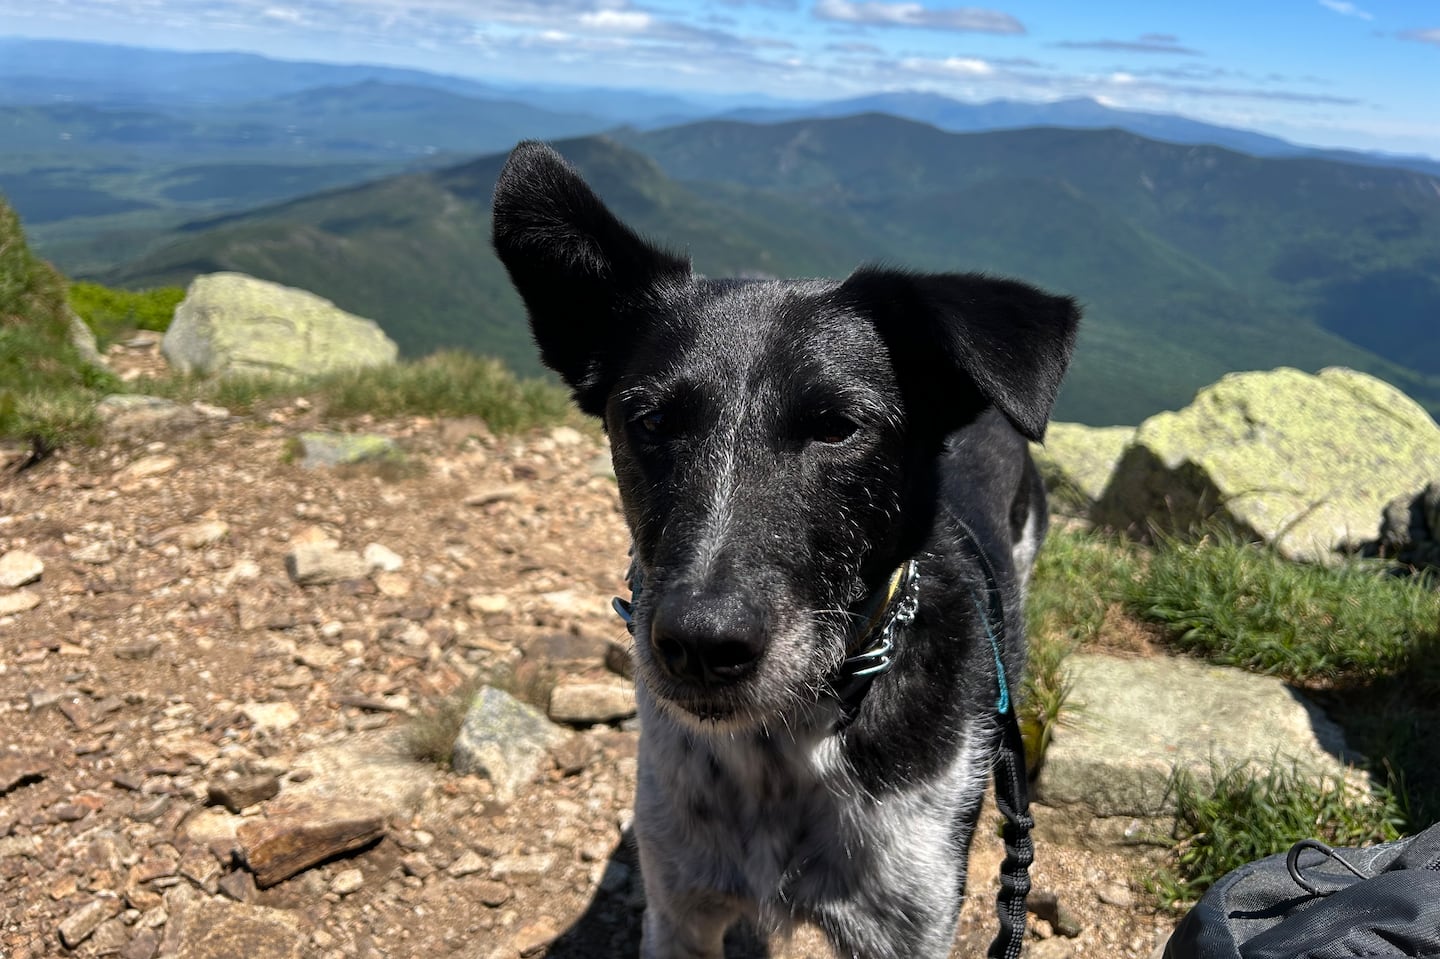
x: 710, y: 638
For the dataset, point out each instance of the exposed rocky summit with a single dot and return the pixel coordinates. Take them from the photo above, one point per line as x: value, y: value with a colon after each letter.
x: 1306, y: 463
x: 233, y: 323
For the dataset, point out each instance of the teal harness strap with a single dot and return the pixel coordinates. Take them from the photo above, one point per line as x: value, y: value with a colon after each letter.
x: 1012, y: 785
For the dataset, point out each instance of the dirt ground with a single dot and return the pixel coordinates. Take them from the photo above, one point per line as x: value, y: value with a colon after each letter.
x: 166, y: 649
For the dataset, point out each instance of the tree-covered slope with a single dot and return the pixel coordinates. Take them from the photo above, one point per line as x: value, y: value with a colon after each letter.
x: 1191, y: 261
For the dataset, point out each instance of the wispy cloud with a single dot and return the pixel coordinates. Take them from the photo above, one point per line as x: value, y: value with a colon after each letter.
x: 1147, y: 43
x: 1346, y: 9
x: 1431, y: 35
x: 879, y: 14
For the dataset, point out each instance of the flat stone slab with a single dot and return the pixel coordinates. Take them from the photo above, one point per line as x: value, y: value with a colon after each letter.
x: 1133, y: 722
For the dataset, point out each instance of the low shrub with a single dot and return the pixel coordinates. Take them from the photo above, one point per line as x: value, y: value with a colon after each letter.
x: 113, y: 313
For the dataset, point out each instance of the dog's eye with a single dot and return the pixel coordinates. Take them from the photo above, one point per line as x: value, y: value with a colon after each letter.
x: 652, y: 423
x: 832, y: 428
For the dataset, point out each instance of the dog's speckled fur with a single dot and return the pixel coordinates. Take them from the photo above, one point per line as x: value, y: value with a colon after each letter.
x: 781, y: 448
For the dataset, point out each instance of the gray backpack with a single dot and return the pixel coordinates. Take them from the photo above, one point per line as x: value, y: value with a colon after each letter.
x: 1315, y: 902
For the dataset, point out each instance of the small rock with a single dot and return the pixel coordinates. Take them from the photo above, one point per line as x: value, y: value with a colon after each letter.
x: 318, y: 449
x: 569, y: 603
x: 315, y: 564
x: 144, y: 946
x: 1116, y: 894
x: 271, y: 716
x: 493, y: 494
x: 504, y: 740
x: 566, y: 436
x: 21, y: 601
x: 205, y: 927
x: 237, y: 794
x: 239, y: 886
x: 382, y: 558
x: 125, y: 413
x: 522, y: 866
x: 393, y: 585
x: 534, y: 936
x: 565, y: 652
x: 20, y: 568
x: 202, y: 534
x: 145, y: 467
x: 1046, y: 906
x: 582, y: 703
x: 573, y: 754
x: 297, y: 838
x: 16, y: 770
x: 416, y: 864
x: 493, y: 893
x: 485, y: 604
x: 96, y: 554
x: 468, y: 863
x: 347, y: 881
x: 80, y: 924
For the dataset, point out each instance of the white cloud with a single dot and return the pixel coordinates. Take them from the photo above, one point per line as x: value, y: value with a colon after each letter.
x: 1346, y: 9
x: 283, y: 14
x: 623, y: 21
x: 881, y: 14
x: 950, y: 66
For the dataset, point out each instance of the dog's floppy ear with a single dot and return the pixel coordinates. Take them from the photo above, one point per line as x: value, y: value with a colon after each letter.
x: 1008, y: 339
x: 577, y: 267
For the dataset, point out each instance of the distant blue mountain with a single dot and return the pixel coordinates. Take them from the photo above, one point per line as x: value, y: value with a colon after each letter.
x: 956, y: 116
x: 42, y: 71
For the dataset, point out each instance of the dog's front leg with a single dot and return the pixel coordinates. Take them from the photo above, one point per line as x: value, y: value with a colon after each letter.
x: 679, y: 927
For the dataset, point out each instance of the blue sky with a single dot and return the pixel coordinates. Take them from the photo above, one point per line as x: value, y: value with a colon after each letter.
x: 1362, y: 74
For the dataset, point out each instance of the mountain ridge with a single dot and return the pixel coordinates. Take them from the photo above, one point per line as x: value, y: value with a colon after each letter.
x: 1174, y: 249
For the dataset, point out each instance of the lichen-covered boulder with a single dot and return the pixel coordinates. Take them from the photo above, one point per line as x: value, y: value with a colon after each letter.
x: 1077, y: 462
x: 1306, y: 463
x: 233, y: 323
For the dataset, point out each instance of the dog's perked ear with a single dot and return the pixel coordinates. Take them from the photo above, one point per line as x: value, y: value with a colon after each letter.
x: 577, y: 267
x: 1009, y: 340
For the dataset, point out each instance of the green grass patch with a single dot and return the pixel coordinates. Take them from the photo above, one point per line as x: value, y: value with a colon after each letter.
x: 1247, y: 815
x: 113, y: 313
x: 1240, y: 604
x: 47, y: 392
x: 449, y: 383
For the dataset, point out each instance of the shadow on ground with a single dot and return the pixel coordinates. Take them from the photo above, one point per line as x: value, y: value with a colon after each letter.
x: 610, y: 926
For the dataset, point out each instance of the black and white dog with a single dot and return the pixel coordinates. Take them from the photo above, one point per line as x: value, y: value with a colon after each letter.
x: 834, y: 513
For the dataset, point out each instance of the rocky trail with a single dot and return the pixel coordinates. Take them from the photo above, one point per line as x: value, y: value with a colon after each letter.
x: 211, y: 649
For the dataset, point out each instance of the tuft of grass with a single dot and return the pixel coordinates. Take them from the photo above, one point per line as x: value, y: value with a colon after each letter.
x: 112, y: 313
x: 239, y: 392
x: 1239, y: 604
x: 47, y: 391
x: 449, y: 383
x: 430, y: 734
x: 1247, y: 815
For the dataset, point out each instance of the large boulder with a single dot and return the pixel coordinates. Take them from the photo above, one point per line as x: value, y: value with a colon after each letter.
x: 1306, y: 463
x: 233, y: 323
x: 1077, y: 462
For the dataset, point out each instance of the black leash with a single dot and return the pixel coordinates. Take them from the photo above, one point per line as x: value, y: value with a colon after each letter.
x: 1012, y: 787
